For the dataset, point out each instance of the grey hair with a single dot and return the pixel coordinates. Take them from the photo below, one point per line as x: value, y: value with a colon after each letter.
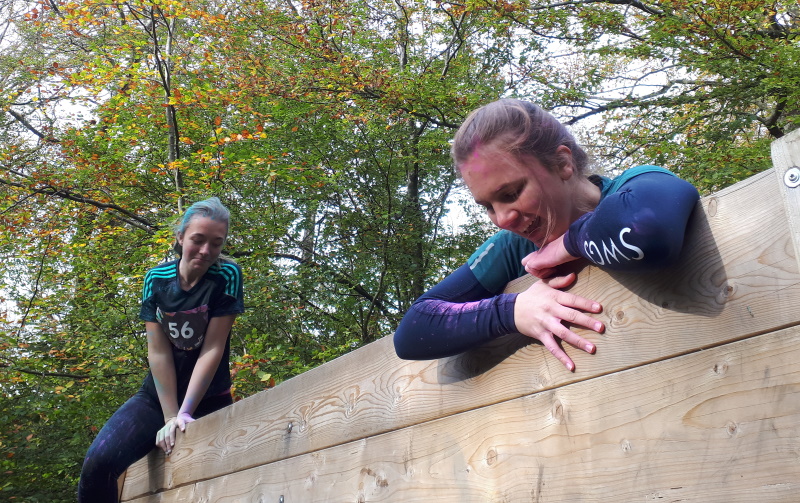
x: 209, y: 208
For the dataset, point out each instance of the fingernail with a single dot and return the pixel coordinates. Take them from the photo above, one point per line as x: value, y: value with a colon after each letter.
x: 596, y: 307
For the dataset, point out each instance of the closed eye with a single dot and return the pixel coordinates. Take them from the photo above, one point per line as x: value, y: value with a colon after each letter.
x: 512, y: 193
x: 510, y: 197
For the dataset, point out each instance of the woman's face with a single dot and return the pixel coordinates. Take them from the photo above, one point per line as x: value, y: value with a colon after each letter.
x: 202, y: 242
x: 522, y: 195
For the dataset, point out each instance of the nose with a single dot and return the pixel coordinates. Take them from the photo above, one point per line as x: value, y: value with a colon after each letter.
x: 205, y: 250
x: 505, y: 216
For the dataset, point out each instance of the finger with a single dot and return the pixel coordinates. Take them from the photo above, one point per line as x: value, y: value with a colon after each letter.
x: 550, y: 343
x: 577, y: 318
x: 571, y: 300
x: 573, y: 339
x: 559, y: 282
x: 161, y: 443
x: 172, y: 428
x: 540, y: 273
x: 527, y: 259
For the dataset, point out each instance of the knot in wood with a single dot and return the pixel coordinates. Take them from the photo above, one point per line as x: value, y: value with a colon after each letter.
x: 725, y: 293
x: 491, y: 457
x: 712, y: 206
x: 558, y: 411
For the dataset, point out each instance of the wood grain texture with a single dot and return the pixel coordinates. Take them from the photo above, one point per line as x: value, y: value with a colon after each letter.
x: 785, y: 156
x: 738, y: 277
x: 721, y: 425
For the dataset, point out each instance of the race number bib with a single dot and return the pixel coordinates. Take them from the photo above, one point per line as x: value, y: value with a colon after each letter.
x: 186, y: 330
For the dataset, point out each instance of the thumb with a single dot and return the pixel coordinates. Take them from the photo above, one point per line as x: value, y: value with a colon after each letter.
x: 559, y: 282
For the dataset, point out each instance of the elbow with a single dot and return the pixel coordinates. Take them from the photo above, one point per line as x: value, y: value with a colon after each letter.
x: 640, y: 248
x: 401, y: 350
x: 661, y: 247
x: 409, y: 341
x: 402, y: 344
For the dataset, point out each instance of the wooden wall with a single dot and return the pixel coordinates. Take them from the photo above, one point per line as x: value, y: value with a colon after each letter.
x: 693, y: 395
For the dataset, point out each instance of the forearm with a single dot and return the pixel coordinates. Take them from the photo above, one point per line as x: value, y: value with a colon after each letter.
x: 163, y: 369
x: 438, y: 328
x: 203, y: 373
x: 208, y: 361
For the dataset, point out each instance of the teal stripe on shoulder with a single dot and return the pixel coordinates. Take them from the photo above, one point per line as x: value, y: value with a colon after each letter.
x: 232, y: 275
x: 627, y: 175
x: 167, y: 270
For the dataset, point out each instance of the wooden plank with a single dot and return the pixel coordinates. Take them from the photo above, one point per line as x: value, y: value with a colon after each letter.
x: 786, y: 159
x: 717, y: 425
x: 739, y: 277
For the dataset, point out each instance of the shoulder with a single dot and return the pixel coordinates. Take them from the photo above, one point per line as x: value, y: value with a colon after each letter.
x: 228, y: 269
x: 227, y: 272
x: 499, y: 245
x: 613, y: 185
x: 498, y: 260
x: 165, y: 271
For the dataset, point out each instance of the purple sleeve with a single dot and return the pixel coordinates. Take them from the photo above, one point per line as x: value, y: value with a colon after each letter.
x: 640, y: 227
x: 456, y: 315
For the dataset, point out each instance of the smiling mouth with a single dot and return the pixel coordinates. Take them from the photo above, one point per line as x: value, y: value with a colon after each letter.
x: 532, y: 227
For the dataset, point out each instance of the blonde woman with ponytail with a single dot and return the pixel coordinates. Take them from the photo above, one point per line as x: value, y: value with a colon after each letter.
x: 527, y: 171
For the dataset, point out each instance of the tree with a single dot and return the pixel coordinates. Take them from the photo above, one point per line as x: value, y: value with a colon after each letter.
x: 701, y: 87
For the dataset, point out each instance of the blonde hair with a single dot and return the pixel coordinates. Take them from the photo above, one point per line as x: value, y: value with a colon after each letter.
x: 519, y: 128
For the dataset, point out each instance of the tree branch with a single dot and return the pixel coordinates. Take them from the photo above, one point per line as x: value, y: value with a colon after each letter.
x: 339, y: 277
x: 35, y: 287
x: 31, y: 128
x: 11, y: 368
x: 127, y: 216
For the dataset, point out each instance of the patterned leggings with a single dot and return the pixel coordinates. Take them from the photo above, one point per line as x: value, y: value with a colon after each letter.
x: 127, y: 437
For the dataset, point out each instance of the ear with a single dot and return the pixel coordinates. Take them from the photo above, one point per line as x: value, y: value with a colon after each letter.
x: 566, y: 164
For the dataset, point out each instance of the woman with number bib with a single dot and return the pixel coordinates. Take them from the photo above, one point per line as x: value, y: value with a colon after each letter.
x: 188, y: 306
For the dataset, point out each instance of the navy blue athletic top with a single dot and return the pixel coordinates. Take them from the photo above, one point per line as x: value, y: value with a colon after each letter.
x: 638, y: 225
x: 184, y: 317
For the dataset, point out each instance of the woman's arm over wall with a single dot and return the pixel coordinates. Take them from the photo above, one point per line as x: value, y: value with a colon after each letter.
x: 455, y: 315
x: 640, y: 227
